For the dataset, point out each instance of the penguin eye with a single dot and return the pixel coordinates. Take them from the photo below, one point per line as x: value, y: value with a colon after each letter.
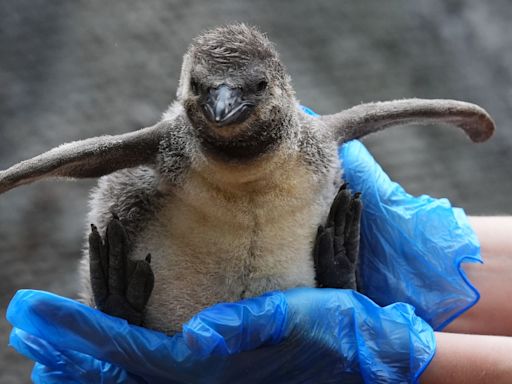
x: 261, y: 86
x: 194, y: 86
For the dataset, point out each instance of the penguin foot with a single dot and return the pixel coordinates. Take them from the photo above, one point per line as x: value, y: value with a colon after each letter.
x: 337, y: 243
x: 121, y: 287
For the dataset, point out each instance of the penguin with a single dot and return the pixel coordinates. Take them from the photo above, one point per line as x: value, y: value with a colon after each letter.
x: 236, y: 191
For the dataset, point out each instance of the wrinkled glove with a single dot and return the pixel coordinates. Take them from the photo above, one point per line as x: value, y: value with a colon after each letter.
x: 411, y: 248
x: 304, y: 335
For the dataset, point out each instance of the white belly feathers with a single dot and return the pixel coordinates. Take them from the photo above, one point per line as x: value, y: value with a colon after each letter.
x: 224, y: 246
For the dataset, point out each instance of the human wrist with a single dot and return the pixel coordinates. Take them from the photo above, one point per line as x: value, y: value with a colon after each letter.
x: 469, y: 359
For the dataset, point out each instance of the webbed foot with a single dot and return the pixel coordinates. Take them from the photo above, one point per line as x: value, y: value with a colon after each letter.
x: 121, y: 287
x: 337, y: 243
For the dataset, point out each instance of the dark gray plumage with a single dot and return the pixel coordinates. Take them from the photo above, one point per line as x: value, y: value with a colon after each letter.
x: 228, y: 190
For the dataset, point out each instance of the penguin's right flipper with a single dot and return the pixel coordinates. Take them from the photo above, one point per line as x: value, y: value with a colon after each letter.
x: 121, y: 287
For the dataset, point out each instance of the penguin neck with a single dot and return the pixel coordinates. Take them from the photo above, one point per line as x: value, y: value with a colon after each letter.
x: 260, y: 173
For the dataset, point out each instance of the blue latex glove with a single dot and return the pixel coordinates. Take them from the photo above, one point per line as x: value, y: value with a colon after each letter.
x: 305, y: 335
x: 411, y: 247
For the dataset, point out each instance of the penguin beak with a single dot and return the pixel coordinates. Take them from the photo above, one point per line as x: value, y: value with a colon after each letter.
x: 224, y: 105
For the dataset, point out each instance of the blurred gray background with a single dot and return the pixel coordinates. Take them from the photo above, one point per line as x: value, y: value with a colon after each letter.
x: 75, y: 69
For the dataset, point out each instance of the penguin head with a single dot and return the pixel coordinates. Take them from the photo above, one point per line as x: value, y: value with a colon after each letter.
x: 236, y: 92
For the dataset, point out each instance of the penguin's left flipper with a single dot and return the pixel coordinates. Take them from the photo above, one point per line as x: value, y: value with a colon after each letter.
x: 121, y: 287
x: 336, y: 249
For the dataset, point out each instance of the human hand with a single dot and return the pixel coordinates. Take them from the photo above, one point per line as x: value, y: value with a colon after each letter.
x: 411, y: 248
x: 301, y: 335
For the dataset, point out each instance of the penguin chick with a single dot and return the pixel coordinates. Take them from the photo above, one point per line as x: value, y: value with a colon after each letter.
x: 227, y: 191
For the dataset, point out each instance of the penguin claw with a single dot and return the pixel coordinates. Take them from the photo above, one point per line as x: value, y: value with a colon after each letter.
x: 336, y: 248
x: 121, y: 287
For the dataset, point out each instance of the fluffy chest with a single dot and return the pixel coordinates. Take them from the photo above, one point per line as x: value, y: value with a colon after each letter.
x: 211, y: 245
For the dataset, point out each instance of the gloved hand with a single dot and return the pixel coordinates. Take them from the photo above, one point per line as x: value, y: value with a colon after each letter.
x: 411, y: 248
x: 303, y: 335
